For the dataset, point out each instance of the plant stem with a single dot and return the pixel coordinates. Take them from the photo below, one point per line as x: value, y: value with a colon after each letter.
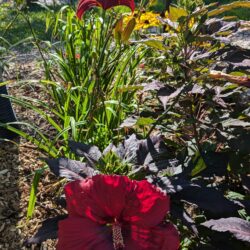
x: 195, y: 131
x: 38, y: 47
x: 164, y: 114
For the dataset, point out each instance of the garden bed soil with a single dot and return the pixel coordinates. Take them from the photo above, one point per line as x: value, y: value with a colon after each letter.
x: 19, y: 160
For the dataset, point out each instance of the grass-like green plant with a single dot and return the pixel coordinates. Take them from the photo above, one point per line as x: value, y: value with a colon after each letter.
x: 89, y: 81
x: 95, y: 73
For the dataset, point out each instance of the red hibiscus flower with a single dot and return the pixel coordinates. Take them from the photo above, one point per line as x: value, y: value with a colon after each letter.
x: 114, y: 212
x: 84, y: 5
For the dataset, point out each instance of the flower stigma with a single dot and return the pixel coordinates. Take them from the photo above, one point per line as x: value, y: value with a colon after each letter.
x: 117, y: 235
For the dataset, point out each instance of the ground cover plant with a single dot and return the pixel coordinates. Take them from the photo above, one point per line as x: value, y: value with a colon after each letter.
x: 149, y: 107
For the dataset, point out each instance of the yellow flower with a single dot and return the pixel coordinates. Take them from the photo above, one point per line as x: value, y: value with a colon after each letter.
x: 144, y: 20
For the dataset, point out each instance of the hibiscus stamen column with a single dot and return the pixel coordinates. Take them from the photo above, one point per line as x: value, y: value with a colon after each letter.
x: 117, y: 235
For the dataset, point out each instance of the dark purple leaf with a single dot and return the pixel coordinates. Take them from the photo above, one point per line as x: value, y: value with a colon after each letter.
x: 129, y: 122
x: 197, y: 89
x: 120, y: 151
x: 166, y: 94
x: 209, y: 199
x: 179, y: 213
x: 151, y: 150
x: 214, y: 25
x: 131, y: 146
x: 235, y: 123
x: 71, y: 169
x: 171, y: 185
x: 151, y: 153
x: 168, y: 166
x: 219, y: 101
x: 246, y: 182
x: 110, y: 148
x: 216, y: 164
x: 166, y: 21
x: 229, y: 26
x: 48, y: 230
x: 241, y: 143
x: 91, y: 153
x: 238, y: 227
x: 155, y: 85
x: 244, y: 204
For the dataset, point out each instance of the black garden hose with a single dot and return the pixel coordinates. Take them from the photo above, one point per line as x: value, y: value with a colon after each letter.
x: 6, y: 115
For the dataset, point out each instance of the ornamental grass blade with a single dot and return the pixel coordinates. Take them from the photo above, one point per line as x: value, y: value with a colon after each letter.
x: 48, y: 230
x: 70, y: 169
x: 33, y: 192
x: 238, y: 227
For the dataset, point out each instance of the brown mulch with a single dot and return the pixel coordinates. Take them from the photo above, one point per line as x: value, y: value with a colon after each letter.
x: 18, y: 161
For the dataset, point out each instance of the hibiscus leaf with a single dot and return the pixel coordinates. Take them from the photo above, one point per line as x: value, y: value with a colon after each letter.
x: 179, y: 213
x: 246, y: 183
x: 48, y: 230
x: 216, y: 163
x: 165, y: 95
x: 151, y: 151
x: 171, y: 185
x: 154, y: 85
x: 131, y: 146
x: 70, y: 169
x: 245, y: 204
x: 209, y: 199
x: 238, y: 227
x: 129, y: 122
x: 90, y: 152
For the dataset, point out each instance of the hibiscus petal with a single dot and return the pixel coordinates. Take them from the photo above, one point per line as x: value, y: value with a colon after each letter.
x: 101, y: 198
x: 105, y: 4
x: 76, y: 233
x: 146, y: 206
x: 164, y: 237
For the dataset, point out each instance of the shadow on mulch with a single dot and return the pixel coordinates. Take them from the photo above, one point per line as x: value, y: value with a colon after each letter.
x: 10, y: 235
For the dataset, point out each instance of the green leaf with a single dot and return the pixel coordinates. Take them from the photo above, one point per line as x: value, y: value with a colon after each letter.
x: 33, y: 192
x: 176, y: 13
x: 144, y: 121
x: 156, y: 44
x: 199, y: 163
x: 128, y: 30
